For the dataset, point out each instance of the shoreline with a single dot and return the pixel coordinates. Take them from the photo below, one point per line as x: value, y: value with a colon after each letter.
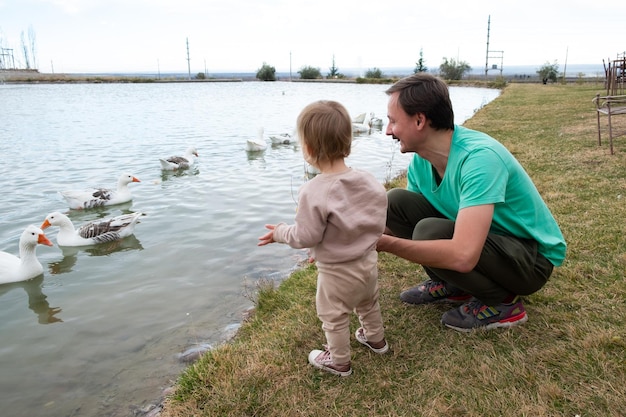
x: 36, y: 77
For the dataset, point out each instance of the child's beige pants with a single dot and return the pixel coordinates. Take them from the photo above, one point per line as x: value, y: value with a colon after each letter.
x: 344, y: 288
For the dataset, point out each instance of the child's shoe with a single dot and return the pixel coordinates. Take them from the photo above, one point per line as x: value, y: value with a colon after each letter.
x: 321, y: 359
x: 360, y: 337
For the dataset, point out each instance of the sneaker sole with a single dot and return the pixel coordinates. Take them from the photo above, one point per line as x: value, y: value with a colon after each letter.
x: 446, y: 300
x: 491, y: 326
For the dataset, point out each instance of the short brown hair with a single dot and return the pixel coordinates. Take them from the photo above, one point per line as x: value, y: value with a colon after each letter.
x: 326, y: 128
x: 424, y: 93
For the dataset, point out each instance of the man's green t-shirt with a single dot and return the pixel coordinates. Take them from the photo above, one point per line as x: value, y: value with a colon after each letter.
x: 481, y: 170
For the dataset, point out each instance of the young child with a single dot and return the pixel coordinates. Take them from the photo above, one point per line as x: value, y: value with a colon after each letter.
x: 341, y: 214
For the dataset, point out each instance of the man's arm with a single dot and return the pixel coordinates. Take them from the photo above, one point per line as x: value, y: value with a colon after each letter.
x: 461, y: 253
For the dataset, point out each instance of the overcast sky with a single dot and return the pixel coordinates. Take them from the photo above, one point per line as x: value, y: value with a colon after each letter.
x: 94, y: 36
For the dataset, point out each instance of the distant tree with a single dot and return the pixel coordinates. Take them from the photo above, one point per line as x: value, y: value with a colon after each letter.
x: 309, y: 73
x: 334, y: 71
x: 200, y: 76
x: 266, y: 73
x: 374, y: 73
x: 548, y: 72
x: 25, y: 51
x: 33, y: 51
x: 452, y: 70
x: 29, y: 49
x: 420, y: 64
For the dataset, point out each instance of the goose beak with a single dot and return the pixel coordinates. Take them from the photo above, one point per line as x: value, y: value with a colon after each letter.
x: 44, y: 240
x: 45, y: 224
x: 135, y: 179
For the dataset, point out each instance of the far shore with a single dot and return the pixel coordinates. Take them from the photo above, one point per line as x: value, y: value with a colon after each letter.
x: 36, y: 77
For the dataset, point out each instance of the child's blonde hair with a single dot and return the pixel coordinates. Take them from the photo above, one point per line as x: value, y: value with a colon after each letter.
x: 326, y: 129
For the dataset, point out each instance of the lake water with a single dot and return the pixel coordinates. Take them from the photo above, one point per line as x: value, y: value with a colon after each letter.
x: 100, y: 333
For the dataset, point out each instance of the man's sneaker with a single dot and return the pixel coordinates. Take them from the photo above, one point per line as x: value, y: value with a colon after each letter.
x: 360, y: 337
x: 476, y: 315
x: 321, y: 359
x: 431, y: 291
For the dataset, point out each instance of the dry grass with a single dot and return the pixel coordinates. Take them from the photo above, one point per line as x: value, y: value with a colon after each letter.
x: 568, y: 359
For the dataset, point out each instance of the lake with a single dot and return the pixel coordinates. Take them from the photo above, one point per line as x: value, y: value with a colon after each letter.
x: 102, y: 330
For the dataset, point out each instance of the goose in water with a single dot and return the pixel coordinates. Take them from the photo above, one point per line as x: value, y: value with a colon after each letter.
x: 94, y: 232
x: 258, y: 144
x: 174, y: 163
x: 26, y: 266
x: 283, y: 139
x: 96, y: 197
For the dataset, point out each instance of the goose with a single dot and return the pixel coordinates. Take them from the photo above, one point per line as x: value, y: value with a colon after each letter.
x: 174, y: 163
x: 94, y: 232
x: 258, y: 144
x: 26, y: 266
x: 360, y: 119
x: 360, y: 124
x: 282, y: 139
x: 97, y: 197
x: 360, y: 128
x: 375, y: 122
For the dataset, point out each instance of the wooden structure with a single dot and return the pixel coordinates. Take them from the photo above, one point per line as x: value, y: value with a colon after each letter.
x: 615, y: 74
x: 614, y: 102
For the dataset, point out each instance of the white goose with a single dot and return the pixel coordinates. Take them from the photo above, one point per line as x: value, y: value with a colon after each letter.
x: 174, y: 163
x: 26, y: 266
x: 94, y: 232
x: 256, y: 145
x: 283, y: 139
x: 97, y: 197
x: 375, y: 122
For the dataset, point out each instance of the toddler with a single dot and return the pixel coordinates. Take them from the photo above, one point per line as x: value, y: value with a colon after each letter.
x: 341, y: 214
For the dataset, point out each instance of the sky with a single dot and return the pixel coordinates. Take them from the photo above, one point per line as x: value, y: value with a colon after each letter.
x: 154, y: 36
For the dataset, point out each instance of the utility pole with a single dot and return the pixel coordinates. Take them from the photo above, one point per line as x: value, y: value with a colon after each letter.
x: 565, y: 67
x: 188, y: 60
x: 498, y: 54
x: 289, y: 65
x: 487, y: 54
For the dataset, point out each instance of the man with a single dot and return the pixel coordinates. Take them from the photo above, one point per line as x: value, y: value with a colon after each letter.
x: 471, y: 215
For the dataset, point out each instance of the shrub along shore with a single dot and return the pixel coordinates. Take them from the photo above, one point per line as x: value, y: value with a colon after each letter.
x: 569, y: 358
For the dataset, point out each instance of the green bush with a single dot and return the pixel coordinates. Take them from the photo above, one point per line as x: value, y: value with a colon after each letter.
x: 548, y: 72
x: 309, y: 73
x: 266, y: 73
x: 374, y: 73
x: 453, y: 70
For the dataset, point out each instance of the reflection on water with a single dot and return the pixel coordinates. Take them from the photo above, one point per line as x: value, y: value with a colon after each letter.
x: 37, y: 300
x: 167, y: 175
x: 70, y: 253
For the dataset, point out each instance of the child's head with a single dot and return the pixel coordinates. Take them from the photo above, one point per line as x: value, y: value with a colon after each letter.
x: 325, y: 130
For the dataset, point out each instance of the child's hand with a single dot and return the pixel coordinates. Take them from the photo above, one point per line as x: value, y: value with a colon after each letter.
x: 268, y: 237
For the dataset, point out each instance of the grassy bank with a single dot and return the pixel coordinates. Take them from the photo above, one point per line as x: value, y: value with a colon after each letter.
x: 568, y: 359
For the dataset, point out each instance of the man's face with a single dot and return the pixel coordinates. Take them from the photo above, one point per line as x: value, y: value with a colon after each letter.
x: 401, y: 126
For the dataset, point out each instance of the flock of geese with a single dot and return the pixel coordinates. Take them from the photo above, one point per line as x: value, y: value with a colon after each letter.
x: 26, y: 266
x: 361, y: 124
